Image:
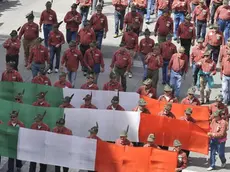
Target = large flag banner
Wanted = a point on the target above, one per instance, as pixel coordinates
(82, 153)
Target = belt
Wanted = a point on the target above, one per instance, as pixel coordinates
(227, 75)
(203, 21)
(38, 62)
(121, 67)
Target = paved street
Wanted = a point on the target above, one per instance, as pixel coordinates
(12, 15)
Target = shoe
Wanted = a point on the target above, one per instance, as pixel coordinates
(116, 36)
(18, 169)
(84, 73)
(49, 71)
(210, 168)
(147, 22)
(130, 75)
(223, 165)
(56, 71)
(207, 101)
(174, 39)
(201, 102)
(121, 31)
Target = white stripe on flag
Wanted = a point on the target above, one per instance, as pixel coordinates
(56, 149)
(102, 99)
(110, 122)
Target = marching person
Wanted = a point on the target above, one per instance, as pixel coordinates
(73, 21)
(191, 99)
(167, 111)
(70, 60)
(218, 138)
(168, 95)
(119, 15)
(140, 6)
(225, 76)
(62, 82)
(123, 140)
(149, 10)
(161, 6)
(39, 125)
(205, 76)
(164, 26)
(151, 142)
(10, 74)
(224, 50)
(30, 30)
(113, 84)
(48, 19)
(194, 4)
(142, 107)
(215, 5)
(12, 46)
(88, 102)
(14, 122)
(115, 104)
(66, 102)
(61, 129)
(186, 34)
(147, 90)
(84, 9)
(154, 62)
(41, 101)
(55, 42)
(94, 61)
(99, 24)
(38, 58)
(90, 85)
(18, 98)
(41, 78)
(145, 46)
(167, 49)
(177, 68)
(93, 132)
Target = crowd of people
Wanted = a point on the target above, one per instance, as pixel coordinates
(197, 23)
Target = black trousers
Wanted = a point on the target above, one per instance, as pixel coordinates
(58, 169)
(164, 147)
(11, 164)
(13, 58)
(186, 43)
(83, 49)
(187, 152)
(33, 165)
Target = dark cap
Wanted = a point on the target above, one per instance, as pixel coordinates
(30, 15)
(74, 5)
(88, 97)
(13, 33)
(41, 95)
(57, 24)
(115, 99)
(94, 129)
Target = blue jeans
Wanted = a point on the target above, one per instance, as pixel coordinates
(46, 30)
(175, 82)
(201, 29)
(55, 51)
(159, 13)
(84, 11)
(99, 37)
(150, 7)
(35, 68)
(72, 77)
(217, 147)
(165, 78)
(142, 57)
(178, 18)
(119, 18)
(226, 88)
(224, 26)
(141, 11)
(213, 11)
(71, 36)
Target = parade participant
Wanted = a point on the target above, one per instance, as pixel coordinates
(90, 85)
(222, 16)
(39, 125)
(214, 39)
(55, 41)
(115, 104)
(215, 5)
(167, 111)
(70, 60)
(168, 95)
(119, 14)
(194, 4)
(135, 19)
(140, 6)
(167, 49)
(182, 157)
(72, 20)
(99, 24)
(121, 64)
(18, 98)
(147, 90)
(180, 8)
(41, 101)
(38, 58)
(130, 39)
(154, 62)
(10, 74)
(66, 102)
(84, 9)
(12, 46)
(88, 102)
(218, 136)
(41, 78)
(201, 17)
(151, 142)
(142, 107)
(14, 122)
(164, 26)
(48, 19)
(177, 68)
(196, 56)
(94, 61)
(223, 51)
(113, 84)
(191, 98)
(61, 129)
(62, 82)
(93, 132)
(225, 76)
(30, 30)
(123, 140)
(186, 34)
(205, 76)
(161, 5)
(188, 116)
(145, 46)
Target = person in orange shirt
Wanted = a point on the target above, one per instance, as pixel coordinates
(41, 101)
(168, 95)
(147, 89)
(182, 157)
(140, 6)
(18, 98)
(115, 104)
(84, 8)
(90, 85)
(142, 107)
(123, 140)
(66, 102)
(223, 51)
(151, 142)
(11, 75)
(225, 76)
(191, 98)
(41, 78)
(62, 82)
(93, 132)
(88, 102)
(215, 5)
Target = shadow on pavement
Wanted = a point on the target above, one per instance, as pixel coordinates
(198, 162)
(8, 4)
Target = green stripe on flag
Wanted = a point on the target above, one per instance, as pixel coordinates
(8, 141)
